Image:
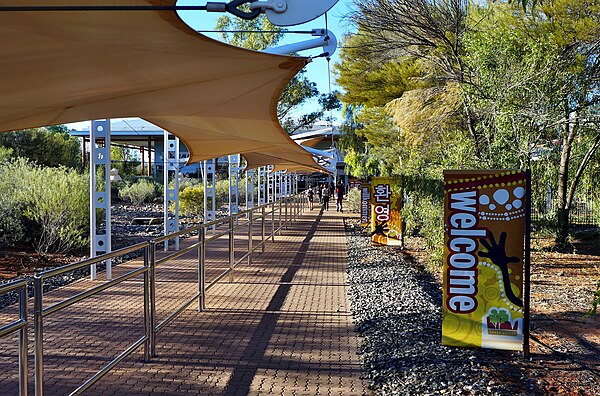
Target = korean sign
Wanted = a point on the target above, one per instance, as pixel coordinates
(484, 223)
(386, 203)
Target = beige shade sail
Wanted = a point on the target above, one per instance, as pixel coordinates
(58, 67)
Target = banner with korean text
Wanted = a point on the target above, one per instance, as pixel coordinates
(484, 255)
(365, 203)
(386, 204)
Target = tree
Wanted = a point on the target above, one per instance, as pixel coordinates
(536, 77)
(50, 146)
(259, 34)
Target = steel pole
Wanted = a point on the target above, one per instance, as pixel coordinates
(201, 269)
(39, 334)
(23, 338)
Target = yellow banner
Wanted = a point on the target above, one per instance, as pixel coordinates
(484, 234)
(386, 204)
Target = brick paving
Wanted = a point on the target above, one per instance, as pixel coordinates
(283, 326)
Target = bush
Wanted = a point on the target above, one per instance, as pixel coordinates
(424, 216)
(353, 203)
(222, 192)
(188, 182)
(191, 201)
(138, 192)
(48, 206)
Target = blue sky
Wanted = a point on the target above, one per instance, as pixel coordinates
(316, 70)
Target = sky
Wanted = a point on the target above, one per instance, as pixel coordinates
(316, 70)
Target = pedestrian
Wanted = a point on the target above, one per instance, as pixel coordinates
(326, 193)
(310, 194)
(339, 195)
(320, 194)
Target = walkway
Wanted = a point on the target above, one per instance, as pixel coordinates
(283, 326)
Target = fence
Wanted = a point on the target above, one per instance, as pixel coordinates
(282, 212)
(585, 209)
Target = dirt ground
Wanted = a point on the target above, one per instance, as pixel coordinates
(19, 261)
(565, 342)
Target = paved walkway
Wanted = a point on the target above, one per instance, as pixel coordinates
(282, 326)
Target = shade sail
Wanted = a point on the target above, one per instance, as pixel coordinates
(61, 67)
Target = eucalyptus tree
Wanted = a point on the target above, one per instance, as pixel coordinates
(536, 79)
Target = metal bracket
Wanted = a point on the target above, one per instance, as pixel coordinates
(326, 39)
(277, 6)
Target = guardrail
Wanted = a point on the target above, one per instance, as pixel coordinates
(287, 209)
(21, 326)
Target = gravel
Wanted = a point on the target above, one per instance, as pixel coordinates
(396, 308)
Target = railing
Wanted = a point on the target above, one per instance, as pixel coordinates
(41, 313)
(287, 209)
(20, 326)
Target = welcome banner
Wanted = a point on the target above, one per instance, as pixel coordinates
(484, 234)
(386, 204)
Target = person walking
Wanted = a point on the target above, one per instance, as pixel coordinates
(339, 195)
(326, 193)
(310, 194)
(320, 194)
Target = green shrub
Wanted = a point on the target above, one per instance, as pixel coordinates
(222, 192)
(423, 216)
(191, 201)
(188, 182)
(353, 202)
(139, 192)
(48, 207)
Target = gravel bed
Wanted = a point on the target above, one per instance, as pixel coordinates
(396, 309)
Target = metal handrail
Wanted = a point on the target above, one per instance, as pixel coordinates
(20, 326)
(92, 260)
(148, 270)
(200, 296)
(41, 312)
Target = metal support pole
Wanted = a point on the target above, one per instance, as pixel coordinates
(23, 338)
(280, 214)
(527, 268)
(273, 221)
(147, 315)
(231, 247)
(38, 296)
(209, 181)
(201, 269)
(171, 195)
(100, 199)
(250, 186)
(250, 237)
(285, 218)
(152, 297)
(263, 228)
(234, 179)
